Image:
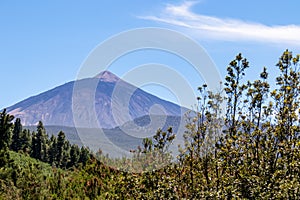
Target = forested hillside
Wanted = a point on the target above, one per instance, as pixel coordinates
(250, 152)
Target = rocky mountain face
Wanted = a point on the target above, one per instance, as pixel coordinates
(115, 102)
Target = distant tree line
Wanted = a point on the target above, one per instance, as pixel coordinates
(57, 151)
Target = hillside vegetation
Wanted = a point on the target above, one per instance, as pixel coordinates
(251, 152)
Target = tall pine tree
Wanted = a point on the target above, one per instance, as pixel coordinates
(52, 153)
(26, 141)
(39, 147)
(84, 155)
(61, 139)
(74, 156)
(5, 129)
(16, 144)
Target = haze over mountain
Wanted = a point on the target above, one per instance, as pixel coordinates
(54, 107)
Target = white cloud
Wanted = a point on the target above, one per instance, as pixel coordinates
(226, 29)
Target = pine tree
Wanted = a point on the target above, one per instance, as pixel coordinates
(52, 153)
(5, 129)
(16, 137)
(74, 155)
(5, 136)
(26, 141)
(66, 154)
(45, 149)
(84, 155)
(41, 139)
(35, 150)
(61, 139)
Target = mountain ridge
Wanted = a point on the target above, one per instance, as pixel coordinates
(54, 107)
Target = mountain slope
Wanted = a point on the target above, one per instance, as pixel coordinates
(54, 107)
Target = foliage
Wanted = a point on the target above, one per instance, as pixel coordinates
(5, 129)
(250, 152)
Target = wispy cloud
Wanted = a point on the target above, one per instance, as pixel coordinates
(226, 29)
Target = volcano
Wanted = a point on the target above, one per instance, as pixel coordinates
(113, 101)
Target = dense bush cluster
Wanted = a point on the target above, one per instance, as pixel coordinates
(249, 151)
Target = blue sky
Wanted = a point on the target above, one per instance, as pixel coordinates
(44, 43)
